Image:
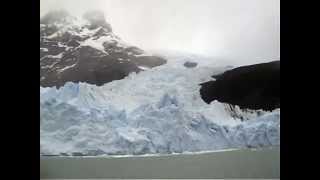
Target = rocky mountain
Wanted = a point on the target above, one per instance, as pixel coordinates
(86, 50)
(251, 87)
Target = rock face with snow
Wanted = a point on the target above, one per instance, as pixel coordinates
(189, 64)
(254, 87)
(86, 50)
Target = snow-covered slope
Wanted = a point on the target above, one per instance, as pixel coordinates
(155, 111)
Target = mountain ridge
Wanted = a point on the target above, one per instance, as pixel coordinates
(86, 50)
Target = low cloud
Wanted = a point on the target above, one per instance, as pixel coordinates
(246, 31)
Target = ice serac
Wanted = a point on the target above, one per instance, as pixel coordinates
(155, 111)
(86, 50)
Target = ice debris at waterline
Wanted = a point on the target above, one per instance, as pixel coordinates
(155, 111)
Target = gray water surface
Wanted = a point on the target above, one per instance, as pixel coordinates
(244, 163)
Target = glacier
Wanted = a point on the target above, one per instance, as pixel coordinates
(156, 111)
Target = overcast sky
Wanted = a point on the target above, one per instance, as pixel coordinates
(241, 30)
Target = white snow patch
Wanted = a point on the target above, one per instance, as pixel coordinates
(110, 38)
(85, 32)
(54, 35)
(143, 54)
(144, 68)
(65, 68)
(98, 43)
(44, 49)
(58, 56)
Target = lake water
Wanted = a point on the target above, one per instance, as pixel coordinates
(244, 163)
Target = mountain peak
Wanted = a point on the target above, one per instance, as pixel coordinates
(86, 50)
(55, 16)
(96, 18)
